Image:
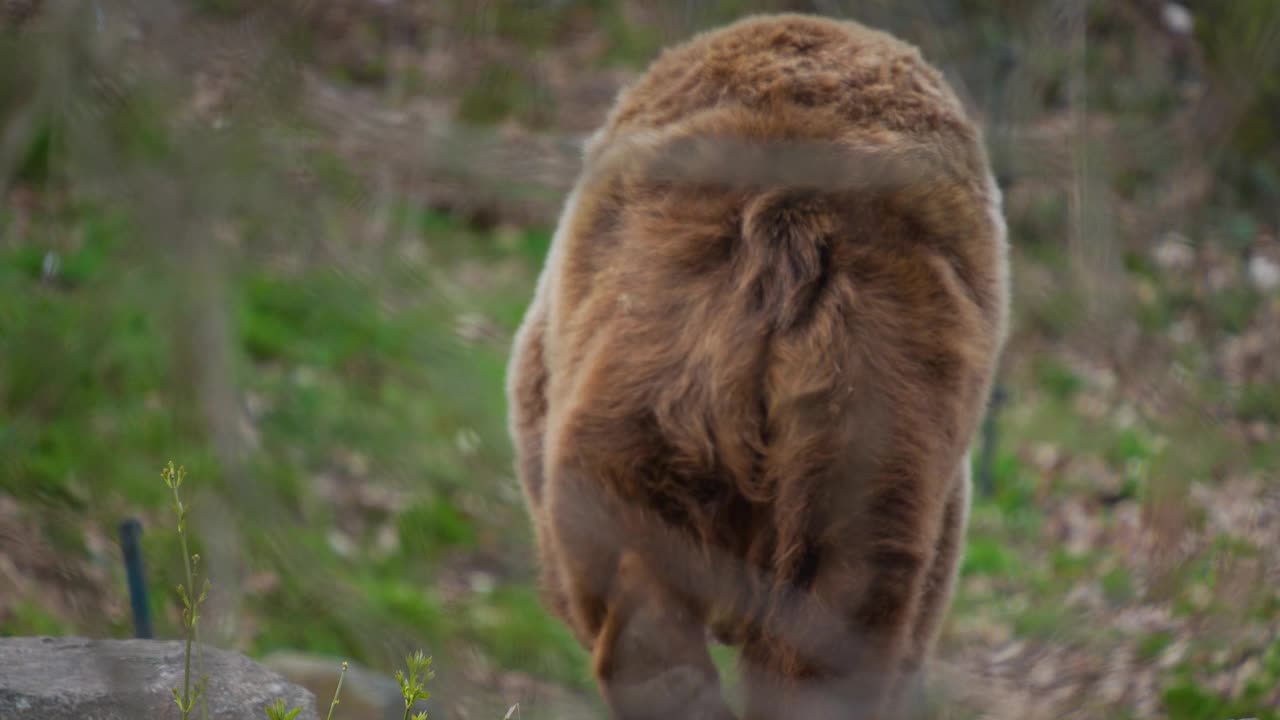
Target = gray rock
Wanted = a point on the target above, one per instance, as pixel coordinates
(79, 679)
(366, 695)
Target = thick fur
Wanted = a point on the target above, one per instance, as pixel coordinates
(744, 392)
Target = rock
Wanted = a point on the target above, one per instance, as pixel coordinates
(365, 695)
(371, 695)
(76, 678)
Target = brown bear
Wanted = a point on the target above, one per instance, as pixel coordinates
(743, 396)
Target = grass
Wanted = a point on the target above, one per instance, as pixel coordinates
(359, 381)
(29, 618)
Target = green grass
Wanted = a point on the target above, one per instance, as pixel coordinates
(1118, 586)
(1187, 699)
(1260, 401)
(987, 555)
(338, 368)
(28, 617)
(1057, 379)
(512, 625)
(1153, 644)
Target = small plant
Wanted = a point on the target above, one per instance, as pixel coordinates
(277, 711)
(413, 685)
(337, 690)
(412, 689)
(188, 695)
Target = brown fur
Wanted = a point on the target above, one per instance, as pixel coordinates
(743, 395)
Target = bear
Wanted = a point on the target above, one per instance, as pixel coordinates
(743, 395)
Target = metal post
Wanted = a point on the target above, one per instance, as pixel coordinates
(130, 531)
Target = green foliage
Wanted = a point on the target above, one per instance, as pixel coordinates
(297, 622)
(1046, 621)
(1127, 446)
(90, 389)
(1171, 304)
(630, 44)
(1118, 586)
(985, 555)
(1153, 644)
(1187, 701)
(325, 320)
(413, 683)
(1232, 308)
(40, 159)
(277, 711)
(86, 369)
(407, 603)
(1069, 567)
(1260, 401)
(512, 624)
(27, 617)
(1015, 487)
(1057, 379)
(432, 527)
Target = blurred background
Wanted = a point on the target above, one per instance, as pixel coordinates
(285, 244)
